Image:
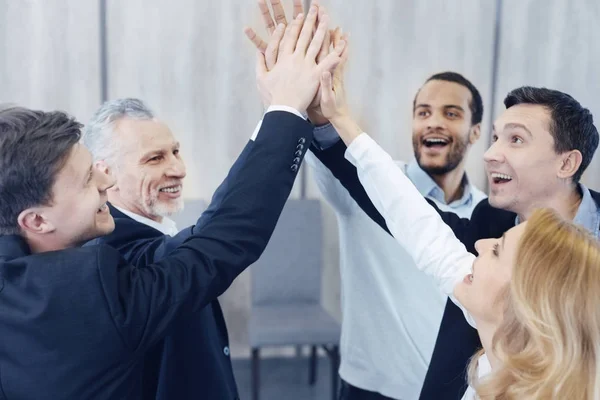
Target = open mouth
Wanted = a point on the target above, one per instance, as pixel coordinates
(498, 178)
(435, 142)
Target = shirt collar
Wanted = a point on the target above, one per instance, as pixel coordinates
(167, 226)
(587, 214)
(427, 186)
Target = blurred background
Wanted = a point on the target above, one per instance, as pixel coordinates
(190, 61)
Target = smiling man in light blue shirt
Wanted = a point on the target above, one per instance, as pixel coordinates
(392, 312)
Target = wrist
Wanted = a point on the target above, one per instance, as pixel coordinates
(316, 118)
(346, 127)
(289, 102)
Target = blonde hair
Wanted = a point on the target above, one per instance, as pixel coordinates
(548, 344)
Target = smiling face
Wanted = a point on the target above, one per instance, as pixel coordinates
(481, 292)
(442, 130)
(78, 210)
(522, 165)
(150, 170)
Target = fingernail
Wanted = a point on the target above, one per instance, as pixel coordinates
(313, 9)
(280, 27)
(300, 16)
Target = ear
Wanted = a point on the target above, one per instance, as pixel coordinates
(570, 162)
(105, 168)
(475, 133)
(32, 220)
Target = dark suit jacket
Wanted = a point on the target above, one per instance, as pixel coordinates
(77, 323)
(194, 357)
(457, 341)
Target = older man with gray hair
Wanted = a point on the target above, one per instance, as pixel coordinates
(128, 141)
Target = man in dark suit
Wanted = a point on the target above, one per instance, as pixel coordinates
(140, 152)
(76, 322)
(542, 144)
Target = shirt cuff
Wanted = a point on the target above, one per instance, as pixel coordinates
(276, 108)
(325, 136)
(358, 147)
(287, 109)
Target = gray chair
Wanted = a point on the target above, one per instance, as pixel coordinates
(286, 292)
(190, 213)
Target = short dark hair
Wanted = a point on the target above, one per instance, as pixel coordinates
(571, 125)
(34, 146)
(476, 104)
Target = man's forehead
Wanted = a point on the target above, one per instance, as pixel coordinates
(532, 116)
(443, 93)
(142, 134)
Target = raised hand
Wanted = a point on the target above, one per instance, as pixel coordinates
(332, 91)
(271, 21)
(295, 78)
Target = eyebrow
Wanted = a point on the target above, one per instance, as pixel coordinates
(514, 125)
(445, 106)
(152, 153)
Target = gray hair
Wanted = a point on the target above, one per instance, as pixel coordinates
(98, 133)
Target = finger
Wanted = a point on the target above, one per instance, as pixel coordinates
(266, 16)
(344, 54)
(327, 94)
(318, 38)
(333, 59)
(298, 9)
(278, 12)
(261, 67)
(324, 47)
(291, 35)
(272, 50)
(307, 30)
(257, 41)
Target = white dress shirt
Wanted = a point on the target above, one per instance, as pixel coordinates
(483, 368)
(167, 226)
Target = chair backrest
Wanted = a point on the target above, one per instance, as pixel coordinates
(192, 210)
(290, 269)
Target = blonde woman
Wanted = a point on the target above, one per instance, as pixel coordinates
(532, 294)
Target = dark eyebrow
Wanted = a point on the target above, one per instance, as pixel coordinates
(454, 106)
(514, 125)
(423, 105)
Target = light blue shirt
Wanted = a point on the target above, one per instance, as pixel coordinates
(326, 136)
(588, 213)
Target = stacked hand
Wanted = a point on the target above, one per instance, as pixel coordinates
(288, 61)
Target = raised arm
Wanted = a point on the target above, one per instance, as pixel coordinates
(144, 301)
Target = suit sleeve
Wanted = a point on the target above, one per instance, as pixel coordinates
(334, 159)
(143, 301)
(143, 252)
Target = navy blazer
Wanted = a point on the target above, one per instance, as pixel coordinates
(77, 323)
(194, 357)
(457, 341)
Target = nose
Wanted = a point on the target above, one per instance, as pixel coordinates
(482, 244)
(435, 121)
(105, 181)
(494, 154)
(176, 168)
